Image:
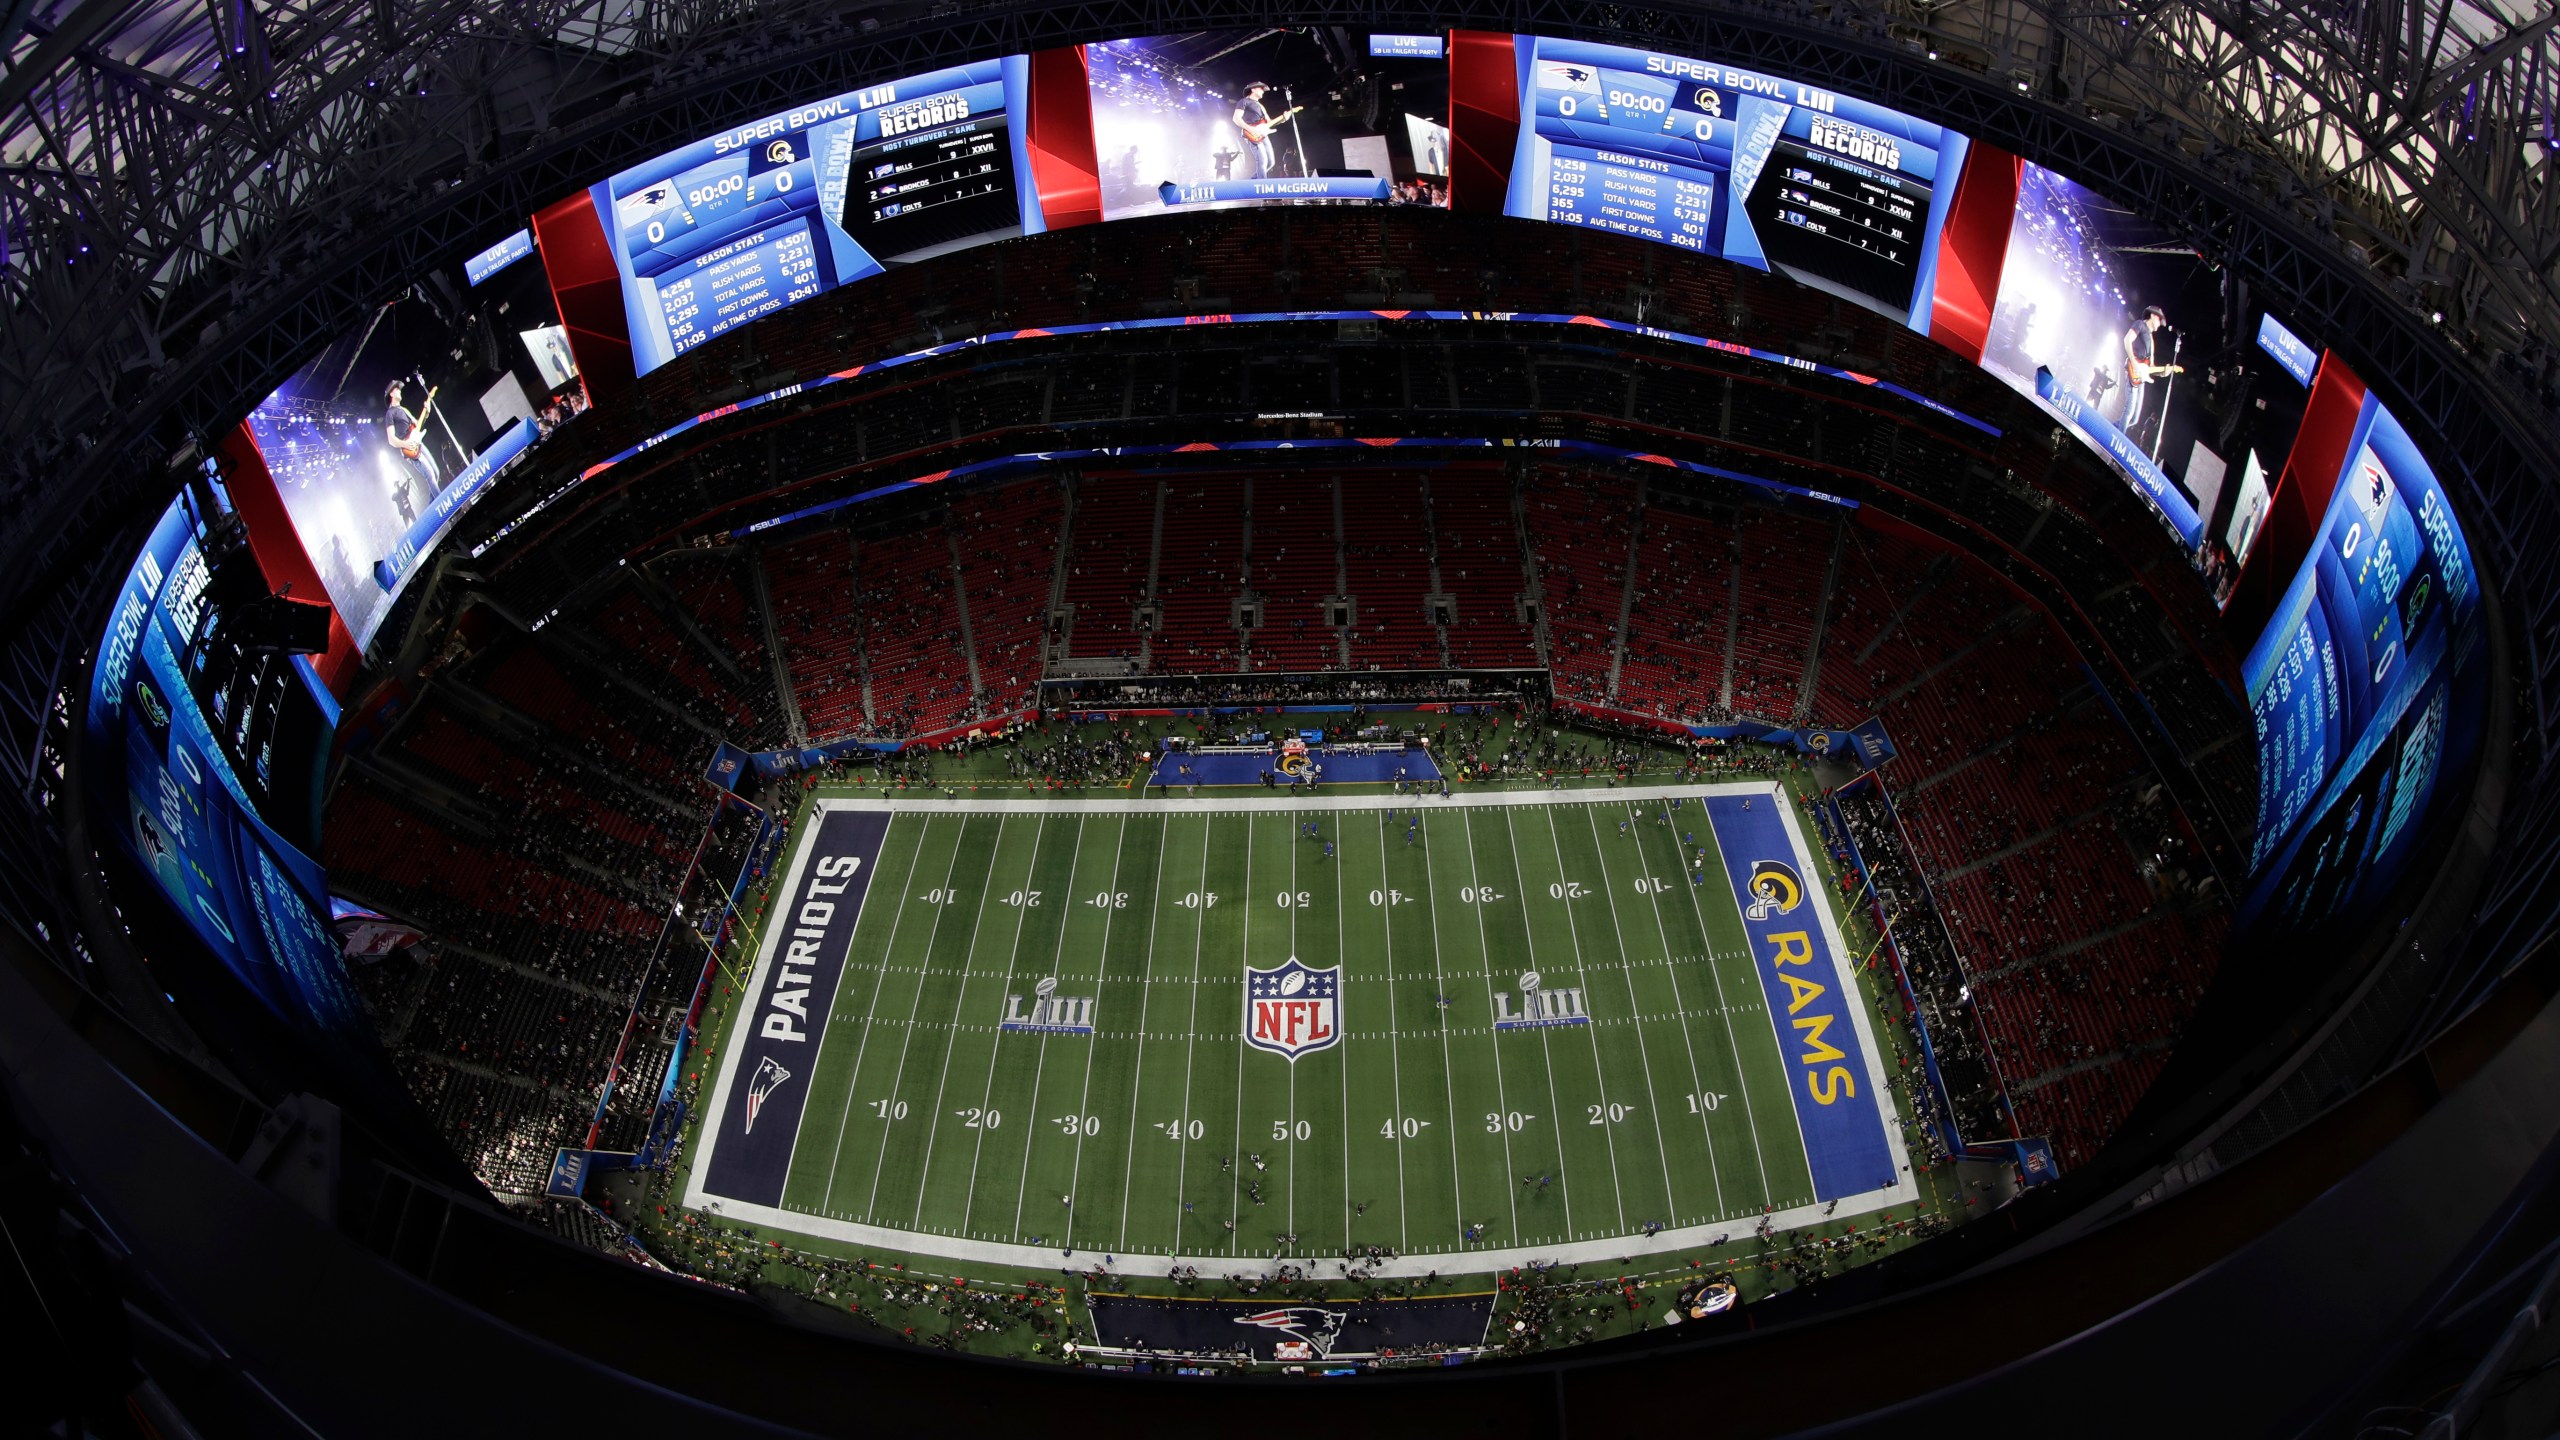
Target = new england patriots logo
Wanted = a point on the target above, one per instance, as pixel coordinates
(1775, 889)
(768, 1077)
(1293, 1009)
(1312, 1332)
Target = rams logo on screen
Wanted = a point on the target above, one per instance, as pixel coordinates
(1775, 889)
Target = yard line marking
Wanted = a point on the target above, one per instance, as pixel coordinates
(1546, 1049)
(1040, 1062)
(1395, 1057)
(1501, 1089)
(1138, 1072)
(1342, 957)
(1706, 1135)
(1291, 1135)
(1448, 1079)
(1182, 1150)
(915, 857)
(1573, 927)
(1741, 1065)
(1235, 1155)
(1084, 1097)
(960, 996)
(880, 1162)
(1635, 1010)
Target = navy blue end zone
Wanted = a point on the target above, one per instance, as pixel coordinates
(1811, 995)
(775, 1046)
(1340, 767)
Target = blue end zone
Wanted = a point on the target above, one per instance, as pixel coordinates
(1340, 767)
(1811, 999)
(776, 1045)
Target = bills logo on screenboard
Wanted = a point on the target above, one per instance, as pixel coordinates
(789, 999)
(1293, 1009)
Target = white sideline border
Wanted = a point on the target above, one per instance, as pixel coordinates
(1628, 1248)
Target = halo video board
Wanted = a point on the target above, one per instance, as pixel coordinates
(788, 206)
(1840, 194)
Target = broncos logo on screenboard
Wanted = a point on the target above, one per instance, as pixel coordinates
(1775, 889)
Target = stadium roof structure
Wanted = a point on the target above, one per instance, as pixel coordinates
(196, 197)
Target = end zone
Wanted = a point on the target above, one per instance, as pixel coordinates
(752, 1126)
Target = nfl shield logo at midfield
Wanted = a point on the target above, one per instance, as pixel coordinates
(1293, 1009)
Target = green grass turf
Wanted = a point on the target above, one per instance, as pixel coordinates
(1423, 1115)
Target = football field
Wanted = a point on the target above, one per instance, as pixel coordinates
(1473, 1031)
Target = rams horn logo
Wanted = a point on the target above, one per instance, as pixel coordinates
(1316, 1329)
(768, 1077)
(1294, 764)
(1775, 889)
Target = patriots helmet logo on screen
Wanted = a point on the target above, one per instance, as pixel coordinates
(1775, 889)
(1293, 1009)
(1312, 1331)
(768, 1078)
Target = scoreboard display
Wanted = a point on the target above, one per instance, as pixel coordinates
(1843, 195)
(777, 210)
(2362, 685)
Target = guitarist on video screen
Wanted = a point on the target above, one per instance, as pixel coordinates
(2141, 370)
(407, 435)
(1256, 124)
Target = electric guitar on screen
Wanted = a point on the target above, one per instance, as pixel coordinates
(1259, 133)
(415, 443)
(2137, 373)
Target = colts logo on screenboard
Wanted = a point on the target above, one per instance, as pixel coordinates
(1051, 1013)
(1293, 1009)
(1775, 889)
(1312, 1332)
(768, 1077)
(1539, 1006)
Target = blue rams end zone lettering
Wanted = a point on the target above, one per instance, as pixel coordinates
(1810, 996)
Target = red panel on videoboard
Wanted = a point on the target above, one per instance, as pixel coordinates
(1059, 139)
(1973, 249)
(278, 546)
(2299, 498)
(587, 285)
(1484, 119)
